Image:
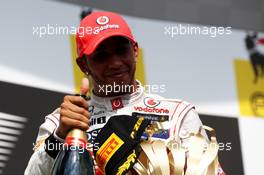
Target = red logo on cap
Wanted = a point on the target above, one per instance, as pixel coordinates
(102, 20)
(116, 103)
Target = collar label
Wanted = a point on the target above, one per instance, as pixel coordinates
(117, 103)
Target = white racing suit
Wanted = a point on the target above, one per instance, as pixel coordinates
(180, 120)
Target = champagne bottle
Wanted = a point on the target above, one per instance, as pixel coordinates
(74, 158)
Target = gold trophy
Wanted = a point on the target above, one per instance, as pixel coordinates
(158, 157)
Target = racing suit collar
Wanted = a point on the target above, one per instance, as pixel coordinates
(117, 102)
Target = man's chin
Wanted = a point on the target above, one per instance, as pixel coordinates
(120, 86)
(124, 80)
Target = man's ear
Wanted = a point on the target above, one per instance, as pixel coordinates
(135, 48)
(83, 65)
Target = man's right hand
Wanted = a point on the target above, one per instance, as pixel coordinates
(74, 112)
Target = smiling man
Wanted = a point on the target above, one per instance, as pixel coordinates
(107, 52)
(112, 66)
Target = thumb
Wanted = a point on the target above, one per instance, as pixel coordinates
(84, 86)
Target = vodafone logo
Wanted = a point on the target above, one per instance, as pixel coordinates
(151, 110)
(102, 20)
(116, 103)
(151, 105)
(150, 102)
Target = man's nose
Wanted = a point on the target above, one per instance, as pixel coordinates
(115, 62)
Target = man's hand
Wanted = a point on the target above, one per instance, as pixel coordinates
(74, 112)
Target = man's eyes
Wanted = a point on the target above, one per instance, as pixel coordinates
(102, 55)
(122, 50)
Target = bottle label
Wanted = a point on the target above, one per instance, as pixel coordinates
(71, 141)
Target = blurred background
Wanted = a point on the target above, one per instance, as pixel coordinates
(208, 52)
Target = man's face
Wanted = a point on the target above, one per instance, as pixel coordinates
(114, 60)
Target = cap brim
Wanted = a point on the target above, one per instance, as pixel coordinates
(89, 50)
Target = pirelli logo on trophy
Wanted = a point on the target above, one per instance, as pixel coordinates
(126, 165)
(250, 77)
(136, 127)
(110, 146)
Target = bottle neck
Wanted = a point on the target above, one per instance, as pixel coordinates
(76, 137)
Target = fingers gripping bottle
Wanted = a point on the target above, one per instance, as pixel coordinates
(74, 158)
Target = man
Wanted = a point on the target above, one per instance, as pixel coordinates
(256, 57)
(108, 52)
